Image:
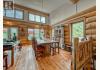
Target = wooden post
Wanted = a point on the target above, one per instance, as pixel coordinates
(75, 45)
(12, 56)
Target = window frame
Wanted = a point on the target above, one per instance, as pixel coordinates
(13, 13)
(28, 33)
(41, 21)
(40, 18)
(22, 13)
(4, 13)
(28, 17)
(76, 21)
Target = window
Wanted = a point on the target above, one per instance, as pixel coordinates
(3, 12)
(8, 33)
(43, 19)
(5, 34)
(39, 34)
(78, 30)
(18, 14)
(37, 18)
(10, 13)
(31, 17)
(30, 34)
(13, 30)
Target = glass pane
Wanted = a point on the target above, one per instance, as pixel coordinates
(43, 19)
(19, 14)
(14, 33)
(78, 30)
(31, 17)
(37, 19)
(5, 34)
(30, 34)
(10, 13)
(41, 34)
(3, 12)
(37, 36)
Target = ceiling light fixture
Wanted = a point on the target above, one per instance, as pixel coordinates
(76, 4)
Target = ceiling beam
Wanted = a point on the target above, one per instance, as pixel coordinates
(74, 1)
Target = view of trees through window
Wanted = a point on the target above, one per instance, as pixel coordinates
(78, 29)
(8, 33)
(37, 33)
(5, 33)
(19, 14)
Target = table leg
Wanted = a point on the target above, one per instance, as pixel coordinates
(6, 64)
(58, 47)
(12, 56)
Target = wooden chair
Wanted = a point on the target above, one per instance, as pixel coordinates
(5, 61)
(94, 57)
(53, 47)
(39, 49)
(68, 47)
(82, 54)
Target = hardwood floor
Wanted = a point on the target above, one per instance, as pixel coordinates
(60, 61)
(26, 61)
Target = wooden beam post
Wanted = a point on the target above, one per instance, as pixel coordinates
(75, 45)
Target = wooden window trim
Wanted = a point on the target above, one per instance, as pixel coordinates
(76, 21)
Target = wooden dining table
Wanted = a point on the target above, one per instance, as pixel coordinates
(47, 45)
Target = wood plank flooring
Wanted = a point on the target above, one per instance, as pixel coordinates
(26, 61)
(60, 61)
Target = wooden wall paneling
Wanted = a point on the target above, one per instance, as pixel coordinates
(23, 35)
(89, 21)
(90, 24)
(91, 18)
(86, 13)
(91, 27)
(90, 14)
(67, 34)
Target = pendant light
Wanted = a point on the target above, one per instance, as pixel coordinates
(75, 2)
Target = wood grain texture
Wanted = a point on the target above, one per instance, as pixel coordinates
(25, 61)
(90, 28)
(60, 61)
(66, 34)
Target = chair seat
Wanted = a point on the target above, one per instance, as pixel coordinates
(39, 49)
